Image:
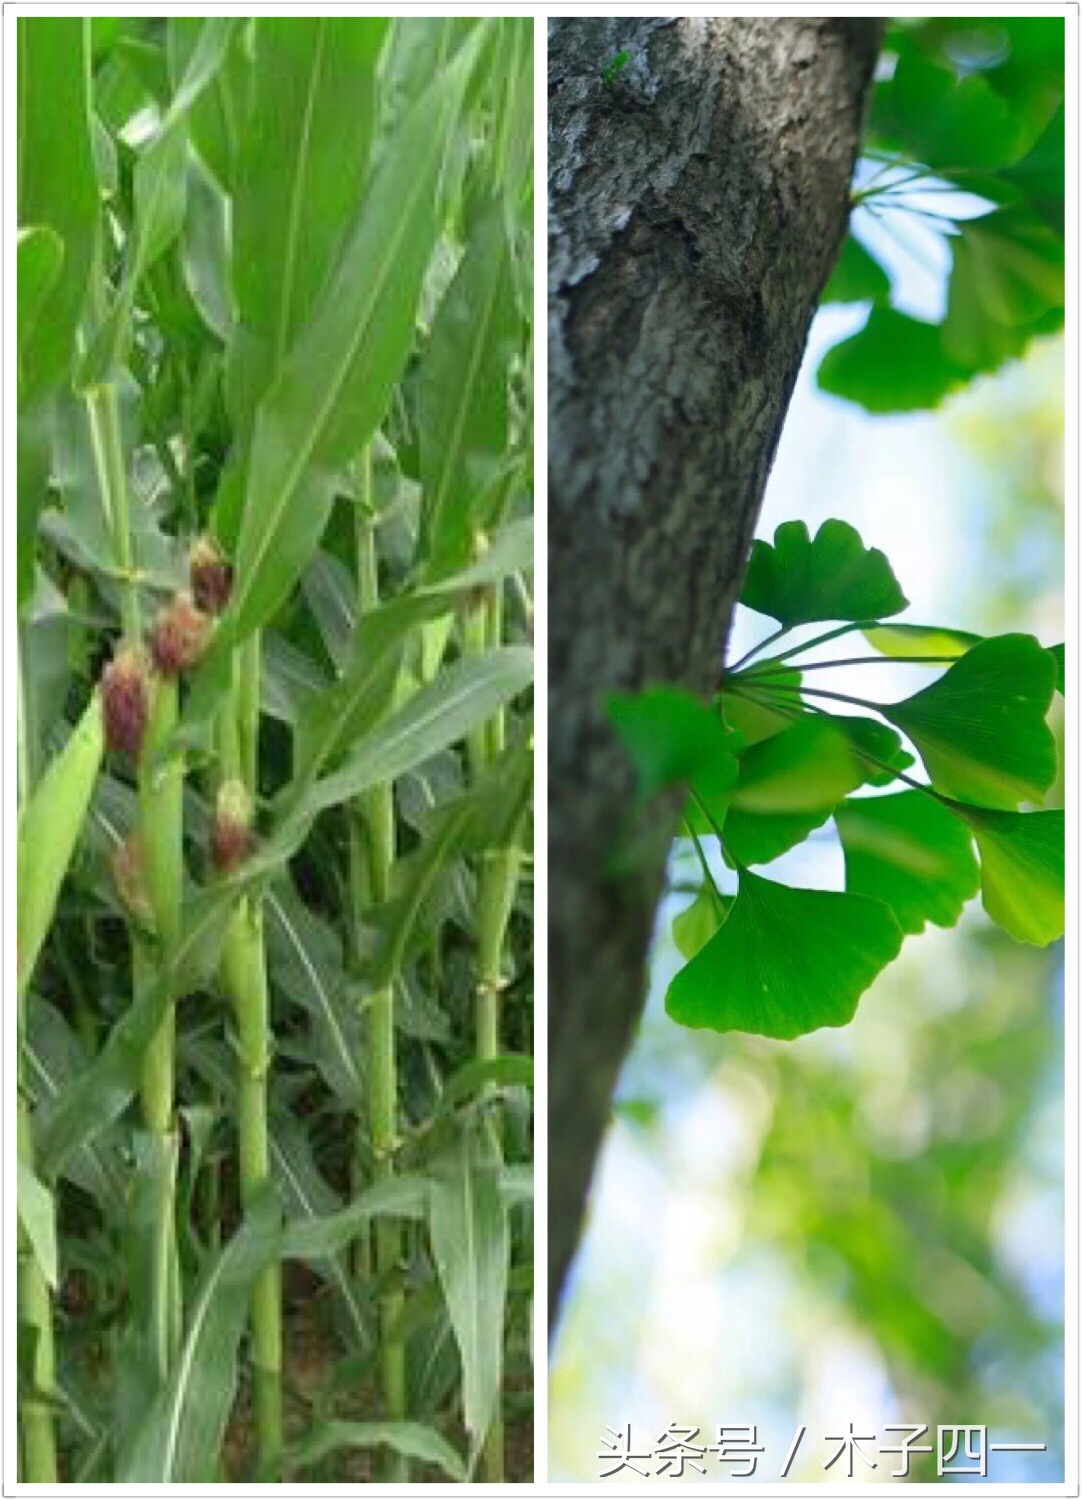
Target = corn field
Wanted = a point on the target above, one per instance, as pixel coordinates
(275, 479)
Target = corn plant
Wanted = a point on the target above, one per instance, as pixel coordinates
(275, 754)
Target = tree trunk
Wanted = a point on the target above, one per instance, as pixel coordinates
(697, 200)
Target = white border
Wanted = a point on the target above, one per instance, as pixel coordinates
(541, 12)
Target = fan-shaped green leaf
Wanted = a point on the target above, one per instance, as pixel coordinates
(920, 640)
(751, 716)
(806, 768)
(834, 577)
(696, 924)
(894, 363)
(1006, 285)
(878, 749)
(908, 850)
(857, 276)
(788, 786)
(1058, 654)
(949, 121)
(785, 961)
(759, 838)
(1022, 858)
(980, 728)
(672, 736)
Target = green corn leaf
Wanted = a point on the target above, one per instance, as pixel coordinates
(671, 737)
(299, 181)
(160, 184)
(49, 829)
(1022, 861)
(52, 1057)
(150, 1331)
(312, 1238)
(511, 1070)
(40, 261)
(471, 1245)
(465, 694)
(330, 592)
(97, 1097)
(463, 401)
(799, 580)
(306, 1195)
(911, 852)
(306, 963)
(290, 680)
(336, 380)
(414, 882)
(37, 1216)
(57, 183)
(980, 728)
(180, 1440)
(785, 961)
(411, 1439)
(219, 118)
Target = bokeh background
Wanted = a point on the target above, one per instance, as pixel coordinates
(864, 1225)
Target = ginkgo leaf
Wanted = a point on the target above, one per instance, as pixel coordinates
(759, 838)
(785, 961)
(788, 786)
(807, 767)
(747, 711)
(911, 852)
(1022, 858)
(920, 640)
(672, 736)
(833, 577)
(893, 363)
(857, 276)
(1006, 280)
(696, 924)
(1058, 654)
(879, 750)
(980, 728)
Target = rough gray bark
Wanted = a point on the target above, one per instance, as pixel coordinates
(696, 205)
